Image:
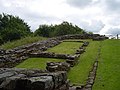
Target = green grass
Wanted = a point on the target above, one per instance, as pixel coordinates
(23, 41)
(66, 48)
(37, 63)
(108, 74)
(79, 73)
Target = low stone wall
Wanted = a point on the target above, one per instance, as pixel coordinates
(82, 48)
(99, 38)
(81, 36)
(92, 74)
(53, 55)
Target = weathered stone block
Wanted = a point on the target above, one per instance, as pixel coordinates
(42, 83)
(57, 66)
(52, 68)
(71, 62)
(5, 75)
(10, 83)
(59, 78)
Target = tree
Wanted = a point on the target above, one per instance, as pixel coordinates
(12, 28)
(43, 30)
(57, 30)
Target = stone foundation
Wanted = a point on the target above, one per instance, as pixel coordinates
(55, 77)
(17, 55)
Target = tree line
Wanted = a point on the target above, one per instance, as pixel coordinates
(13, 28)
(57, 30)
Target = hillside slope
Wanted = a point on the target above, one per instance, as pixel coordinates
(108, 74)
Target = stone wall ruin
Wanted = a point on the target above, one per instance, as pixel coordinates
(53, 78)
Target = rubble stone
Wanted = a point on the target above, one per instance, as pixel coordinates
(57, 66)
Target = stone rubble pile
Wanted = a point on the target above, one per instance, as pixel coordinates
(80, 50)
(86, 43)
(57, 66)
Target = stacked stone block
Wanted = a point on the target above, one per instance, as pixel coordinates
(57, 66)
(19, 79)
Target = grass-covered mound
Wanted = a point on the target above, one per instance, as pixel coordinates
(22, 41)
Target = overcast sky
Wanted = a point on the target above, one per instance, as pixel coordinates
(98, 16)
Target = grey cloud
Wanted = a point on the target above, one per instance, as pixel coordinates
(113, 5)
(35, 20)
(79, 3)
(115, 21)
(38, 19)
(113, 31)
(95, 26)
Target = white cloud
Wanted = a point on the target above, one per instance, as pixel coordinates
(95, 26)
(93, 15)
(79, 3)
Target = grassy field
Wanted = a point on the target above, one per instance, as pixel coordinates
(23, 41)
(39, 63)
(108, 74)
(79, 73)
(66, 47)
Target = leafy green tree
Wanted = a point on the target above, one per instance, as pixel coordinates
(57, 30)
(12, 28)
(43, 30)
